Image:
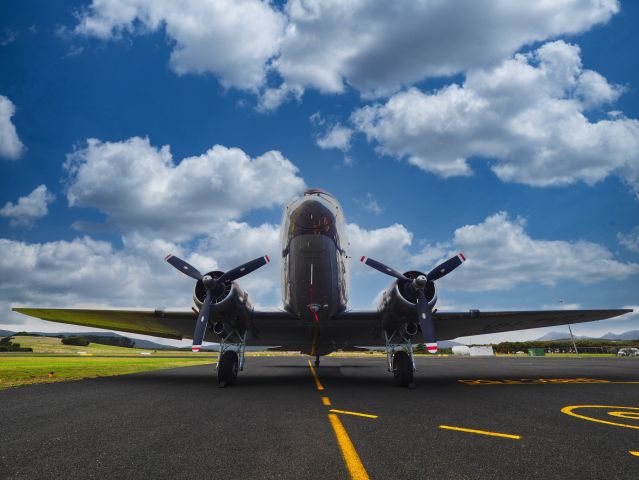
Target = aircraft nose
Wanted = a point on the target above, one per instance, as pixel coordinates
(313, 215)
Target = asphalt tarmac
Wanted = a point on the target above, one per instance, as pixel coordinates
(277, 423)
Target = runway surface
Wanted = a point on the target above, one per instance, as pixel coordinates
(275, 423)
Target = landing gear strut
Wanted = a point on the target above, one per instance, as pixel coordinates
(400, 360)
(317, 360)
(230, 359)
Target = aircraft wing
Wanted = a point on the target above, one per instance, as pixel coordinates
(452, 325)
(364, 328)
(159, 323)
(271, 328)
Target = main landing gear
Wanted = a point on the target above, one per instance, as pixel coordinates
(317, 360)
(400, 360)
(230, 359)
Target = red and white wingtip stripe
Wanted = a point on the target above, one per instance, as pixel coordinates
(168, 256)
(363, 259)
(268, 260)
(431, 347)
(196, 348)
(462, 257)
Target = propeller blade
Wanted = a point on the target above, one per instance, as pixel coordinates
(248, 267)
(202, 323)
(380, 267)
(184, 267)
(445, 268)
(425, 316)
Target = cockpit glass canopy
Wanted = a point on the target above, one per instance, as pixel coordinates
(317, 212)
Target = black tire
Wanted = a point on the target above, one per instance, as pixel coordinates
(227, 369)
(402, 369)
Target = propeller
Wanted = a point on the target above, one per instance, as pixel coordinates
(418, 284)
(211, 285)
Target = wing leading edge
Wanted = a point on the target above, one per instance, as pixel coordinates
(365, 327)
(176, 325)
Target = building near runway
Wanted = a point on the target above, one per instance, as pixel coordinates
(474, 351)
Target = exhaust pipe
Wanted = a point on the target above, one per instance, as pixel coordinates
(220, 329)
(409, 329)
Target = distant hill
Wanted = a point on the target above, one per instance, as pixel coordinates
(138, 343)
(5, 333)
(629, 335)
(560, 336)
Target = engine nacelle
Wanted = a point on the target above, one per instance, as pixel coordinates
(231, 303)
(220, 298)
(399, 302)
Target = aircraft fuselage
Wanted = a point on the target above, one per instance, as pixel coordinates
(314, 260)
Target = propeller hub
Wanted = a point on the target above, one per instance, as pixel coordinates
(208, 281)
(419, 282)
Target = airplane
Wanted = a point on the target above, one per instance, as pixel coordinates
(315, 319)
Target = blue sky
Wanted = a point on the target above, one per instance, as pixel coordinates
(512, 136)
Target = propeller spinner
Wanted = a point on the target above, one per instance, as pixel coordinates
(212, 285)
(418, 284)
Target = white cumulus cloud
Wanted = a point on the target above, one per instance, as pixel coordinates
(630, 240)
(376, 47)
(140, 188)
(233, 39)
(380, 47)
(528, 115)
(10, 145)
(29, 208)
(337, 136)
(501, 254)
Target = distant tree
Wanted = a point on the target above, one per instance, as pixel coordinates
(78, 341)
(115, 341)
(6, 345)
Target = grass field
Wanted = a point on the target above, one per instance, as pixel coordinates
(16, 370)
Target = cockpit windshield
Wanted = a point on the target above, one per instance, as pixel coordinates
(317, 212)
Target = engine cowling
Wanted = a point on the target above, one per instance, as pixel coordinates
(399, 303)
(230, 302)
(220, 297)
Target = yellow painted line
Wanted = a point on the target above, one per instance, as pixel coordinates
(630, 415)
(351, 458)
(636, 454)
(357, 414)
(481, 432)
(545, 381)
(326, 401)
(318, 384)
(569, 411)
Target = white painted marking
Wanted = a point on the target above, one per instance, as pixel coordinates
(202, 318)
(424, 316)
(311, 274)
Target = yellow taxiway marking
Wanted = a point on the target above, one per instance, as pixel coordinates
(542, 381)
(569, 411)
(636, 454)
(326, 401)
(351, 458)
(630, 415)
(357, 414)
(318, 384)
(481, 432)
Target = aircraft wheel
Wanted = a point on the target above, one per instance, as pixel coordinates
(227, 369)
(402, 369)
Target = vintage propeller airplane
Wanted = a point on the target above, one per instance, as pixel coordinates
(315, 319)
